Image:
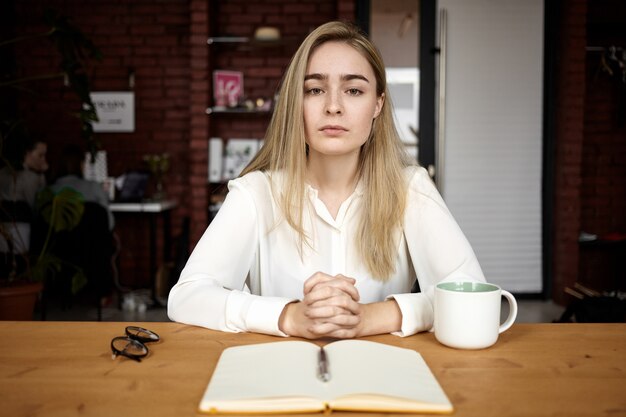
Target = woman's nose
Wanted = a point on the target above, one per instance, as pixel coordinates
(333, 103)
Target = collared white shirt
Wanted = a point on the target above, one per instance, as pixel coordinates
(247, 265)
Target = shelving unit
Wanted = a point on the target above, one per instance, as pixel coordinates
(252, 42)
(233, 53)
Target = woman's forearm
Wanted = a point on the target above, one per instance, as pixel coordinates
(380, 318)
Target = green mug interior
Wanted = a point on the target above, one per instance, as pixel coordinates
(467, 287)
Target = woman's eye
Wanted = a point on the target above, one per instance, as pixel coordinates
(354, 91)
(314, 91)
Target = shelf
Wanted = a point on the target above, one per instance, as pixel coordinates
(227, 39)
(236, 110)
(252, 42)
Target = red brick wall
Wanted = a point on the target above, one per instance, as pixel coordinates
(346, 10)
(590, 161)
(199, 81)
(570, 79)
(150, 39)
(603, 198)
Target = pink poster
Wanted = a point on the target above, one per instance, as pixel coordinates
(227, 88)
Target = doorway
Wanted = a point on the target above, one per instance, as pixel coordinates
(394, 28)
(481, 126)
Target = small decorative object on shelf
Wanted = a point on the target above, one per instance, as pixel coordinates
(267, 33)
(260, 105)
(159, 165)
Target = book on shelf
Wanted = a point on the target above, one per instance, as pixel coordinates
(238, 154)
(287, 377)
(216, 157)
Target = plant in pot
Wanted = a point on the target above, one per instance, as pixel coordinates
(62, 211)
(58, 212)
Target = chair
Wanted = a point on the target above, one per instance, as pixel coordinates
(16, 218)
(88, 246)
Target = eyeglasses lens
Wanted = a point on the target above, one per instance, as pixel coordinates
(129, 347)
(142, 334)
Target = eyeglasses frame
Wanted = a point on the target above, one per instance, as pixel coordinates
(137, 341)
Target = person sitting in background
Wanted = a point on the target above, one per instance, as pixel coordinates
(91, 244)
(24, 179)
(70, 175)
(20, 181)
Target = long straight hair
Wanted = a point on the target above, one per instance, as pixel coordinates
(381, 162)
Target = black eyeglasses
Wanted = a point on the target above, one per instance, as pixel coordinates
(133, 344)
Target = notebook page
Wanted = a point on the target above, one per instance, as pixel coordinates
(362, 367)
(278, 369)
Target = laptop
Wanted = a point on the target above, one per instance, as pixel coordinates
(131, 187)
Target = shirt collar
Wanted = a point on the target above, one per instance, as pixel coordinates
(359, 190)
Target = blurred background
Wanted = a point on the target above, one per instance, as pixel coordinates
(516, 107)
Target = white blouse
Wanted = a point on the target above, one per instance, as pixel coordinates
(247, 266)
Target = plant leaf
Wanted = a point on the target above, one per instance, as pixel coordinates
(79, 280)
(63, 210)
(46, 266)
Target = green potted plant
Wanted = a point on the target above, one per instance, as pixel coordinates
(18, 291)
(63, 210)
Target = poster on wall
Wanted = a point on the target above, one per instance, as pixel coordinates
(227, 88)
(115, 110)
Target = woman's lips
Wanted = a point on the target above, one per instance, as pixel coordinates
(333, 130)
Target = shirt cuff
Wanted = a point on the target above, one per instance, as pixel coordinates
(252, 313)
(417, 313)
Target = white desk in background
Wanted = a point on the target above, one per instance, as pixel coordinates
(153, 209)
(144, 207)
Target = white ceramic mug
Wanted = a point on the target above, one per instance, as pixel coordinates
(467, 314)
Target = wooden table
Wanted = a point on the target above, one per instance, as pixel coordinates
(65, 369)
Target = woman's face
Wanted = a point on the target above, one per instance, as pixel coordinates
(35, 159)
(340, 100)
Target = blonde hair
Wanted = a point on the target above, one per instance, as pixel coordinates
(381, 162)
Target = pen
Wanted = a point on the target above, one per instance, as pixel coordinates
(322, 366)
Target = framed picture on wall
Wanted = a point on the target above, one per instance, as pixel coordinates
(227, 88)
(115, 110)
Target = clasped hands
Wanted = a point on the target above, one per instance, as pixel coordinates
(331, 308)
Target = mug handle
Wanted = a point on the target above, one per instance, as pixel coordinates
(512, 312)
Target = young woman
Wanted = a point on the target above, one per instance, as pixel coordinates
(22, 183)
(328, 229)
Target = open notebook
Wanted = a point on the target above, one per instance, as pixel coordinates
(283, 377)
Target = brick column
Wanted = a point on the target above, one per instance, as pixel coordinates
(569, 143)
(346, 10)
(197, 199)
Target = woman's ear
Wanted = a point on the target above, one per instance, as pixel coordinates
(380, 100)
